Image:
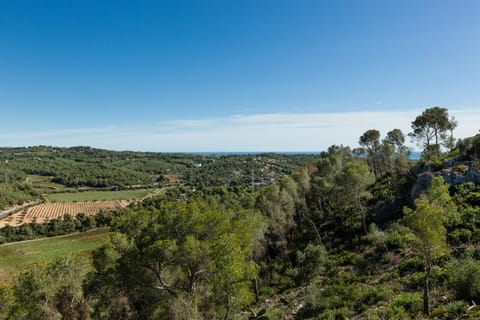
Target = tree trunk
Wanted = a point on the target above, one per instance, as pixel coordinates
(426, 306)
(363, 216)
(227, 311)
(436, 142)
(255, 287)
(364, 223)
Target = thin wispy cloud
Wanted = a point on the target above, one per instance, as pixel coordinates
(55, 133)
(252, 132)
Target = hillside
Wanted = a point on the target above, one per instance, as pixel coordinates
(33, 171)
(344, 237)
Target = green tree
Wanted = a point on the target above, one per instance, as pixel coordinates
(177, 261)
(450, 140)
(52, 291)
(312, 261)
(333, 160)
(278, 206)
(6, 299)
(351, 192)
(371, 141)
(430, 129)
(396, 138)
(427, 224)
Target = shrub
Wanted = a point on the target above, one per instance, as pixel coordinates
(410, 302)
(476, 235)
(465, 279)
(7, 300)
(397, 236)
(473, 252)
(390, 313)
(390, 276)
(281, 274)
(333, 314)
(436, 165)
(413, 281)
(413, 264)
(348, 258)
(311, 262)
(356, 297)
(460, 168)
(452, 310)
(459, 236)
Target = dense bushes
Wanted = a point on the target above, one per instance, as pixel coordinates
(344, 296)
(16, 193)
(465, 279)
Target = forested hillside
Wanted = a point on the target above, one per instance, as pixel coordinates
(90, 167)
(85, 167)
(359, 233)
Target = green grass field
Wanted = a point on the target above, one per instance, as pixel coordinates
(19, 256)
(44, 184)
(98, 195)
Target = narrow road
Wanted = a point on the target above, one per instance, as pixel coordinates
(7, 212)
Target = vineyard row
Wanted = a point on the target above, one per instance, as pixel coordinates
(56, 210)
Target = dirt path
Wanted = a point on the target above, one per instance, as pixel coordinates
(157, 192)
(5, 213)
(55, 237)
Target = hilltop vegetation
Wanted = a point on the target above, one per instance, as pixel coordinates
(353, 234)
(30, 172)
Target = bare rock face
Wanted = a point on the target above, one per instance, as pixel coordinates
(453, 172)
(454, 177)
(424, 180)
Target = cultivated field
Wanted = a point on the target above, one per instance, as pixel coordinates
(19, 256)
(44, 184)
(55, 210)
(97, 195)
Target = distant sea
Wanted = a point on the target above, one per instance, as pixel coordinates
(415, 155)
(247, 153)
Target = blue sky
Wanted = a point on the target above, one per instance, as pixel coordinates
(232, 75)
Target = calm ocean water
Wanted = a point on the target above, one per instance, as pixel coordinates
(413, 155)
(246, 153)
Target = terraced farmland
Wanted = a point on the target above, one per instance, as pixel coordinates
(55, 210)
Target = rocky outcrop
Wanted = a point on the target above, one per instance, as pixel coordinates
(422, 184)
(453, 177)
(453, 173)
